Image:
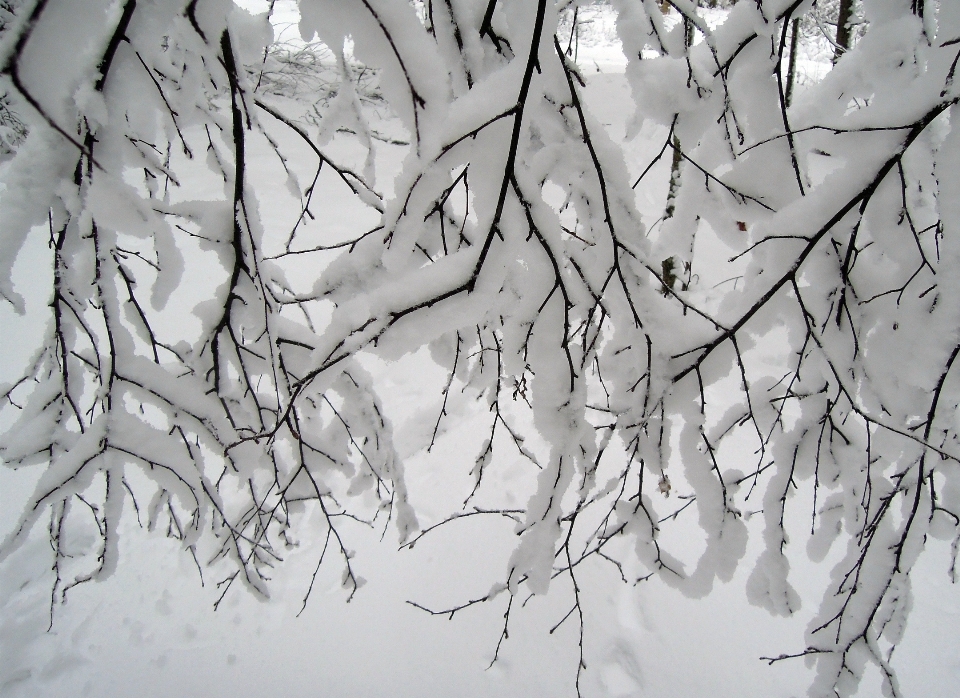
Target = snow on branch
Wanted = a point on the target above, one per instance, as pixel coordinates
(205, 363)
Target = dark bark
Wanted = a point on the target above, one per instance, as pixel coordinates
(792, 63)
(843, 28)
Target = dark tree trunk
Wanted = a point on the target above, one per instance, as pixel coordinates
(843, 28)
(792, 64)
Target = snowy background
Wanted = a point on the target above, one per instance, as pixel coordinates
(150, 629)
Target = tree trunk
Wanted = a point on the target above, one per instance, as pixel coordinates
(843, 28)
(792, 64)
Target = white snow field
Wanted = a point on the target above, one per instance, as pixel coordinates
(150, 629)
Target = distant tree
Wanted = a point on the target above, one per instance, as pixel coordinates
(512, 246)
(844, 15)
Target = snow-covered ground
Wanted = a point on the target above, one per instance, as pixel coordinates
(150, 629)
